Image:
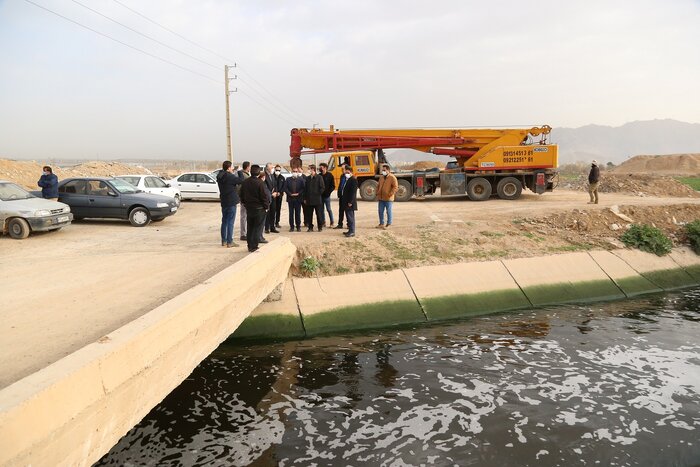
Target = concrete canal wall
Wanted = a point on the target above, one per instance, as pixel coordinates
(313, 306)
(73, 411)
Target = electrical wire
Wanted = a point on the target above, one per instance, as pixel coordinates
(124, 43)
(281, 117)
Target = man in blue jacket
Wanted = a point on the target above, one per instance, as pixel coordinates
(49, 184)
(341, 208)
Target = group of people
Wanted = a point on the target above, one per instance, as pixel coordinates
(260, 193)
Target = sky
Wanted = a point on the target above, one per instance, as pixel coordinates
(68, 92)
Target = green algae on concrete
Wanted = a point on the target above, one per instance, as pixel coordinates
(669, 279)
(366, 316)
(568, 292)
(636, 285)
(694, 272)
(461, 305)
(270, 326)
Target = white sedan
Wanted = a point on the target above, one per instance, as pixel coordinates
(152, 184)
(196, 185)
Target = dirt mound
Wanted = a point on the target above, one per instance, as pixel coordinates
(424, 165)
(670, 164)
(27, 173)
(636, 184)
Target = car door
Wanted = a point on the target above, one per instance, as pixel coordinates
(186, 185)
(103, 200)
(207, 186)
(155, 186)
(74, 194)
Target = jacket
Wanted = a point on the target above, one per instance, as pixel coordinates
(348, 193)
(270, 181)
(388, 186)
(294, 185)
(279, 183)
(49, 186)
(254, 194)
(228, 188)
(328, 184)
(243, 176)
(594, 174)
(314, 190)
(341, 184)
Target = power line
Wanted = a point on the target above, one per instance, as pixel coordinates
(293, 116)
(124, 43)
(294, 113)
(145, 35)
(281, 117)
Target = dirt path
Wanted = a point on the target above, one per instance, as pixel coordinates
(63, 290)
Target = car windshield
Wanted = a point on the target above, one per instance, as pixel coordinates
(11, 192)
(124, 187)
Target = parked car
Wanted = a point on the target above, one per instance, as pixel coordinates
(152, 184)
(194, 185)
(22, 213)
(113, 198)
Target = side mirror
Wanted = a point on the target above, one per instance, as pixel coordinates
(111, 193)
(167, 185)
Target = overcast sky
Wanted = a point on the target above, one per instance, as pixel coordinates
(69, 92)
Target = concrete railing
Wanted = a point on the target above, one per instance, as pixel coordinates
(73, 411)
(433, 293)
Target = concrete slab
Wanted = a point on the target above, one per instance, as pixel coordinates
(572, 277)
(688, 260)
(465, 289)
(357, 301)
(75, 410)
(626, 278)
(663, 271)
(273, 320)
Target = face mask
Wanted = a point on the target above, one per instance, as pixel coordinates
(348, 175)
(45, 172)
(384, 172)
(277, 172)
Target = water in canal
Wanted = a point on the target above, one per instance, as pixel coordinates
(603, 384)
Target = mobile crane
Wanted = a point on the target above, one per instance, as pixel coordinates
(501, 161)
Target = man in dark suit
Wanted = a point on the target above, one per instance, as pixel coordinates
(348, 199)
(294, 187)
(271, 183)
(256, 201)
(313, 201)
(279, 183)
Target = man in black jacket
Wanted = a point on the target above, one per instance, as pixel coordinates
(294, 187)
(271, 183)
(228, 195)
(593, 180)
(279, 184)
(348, 198)
(256, 201)
(312, 199)
(328, 188)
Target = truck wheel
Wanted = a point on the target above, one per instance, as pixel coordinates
(139, 217)
(368, 190)
(479, 189)
(405, 191)
(509, 188)
(18, 228)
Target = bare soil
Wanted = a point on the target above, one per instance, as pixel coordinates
(635, 184)
(670, 164)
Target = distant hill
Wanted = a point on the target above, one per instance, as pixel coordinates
(670, 164)
(615, 144)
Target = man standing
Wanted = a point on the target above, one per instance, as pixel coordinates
(387, 188)
(49, 184)
(593, 180)
(348, 198)
(341, 208)
(329, 187)
(271, 183)
(243, 174)
(256, 201)
(279, 183)
(228, 183)
(312, 199)
(294, 187)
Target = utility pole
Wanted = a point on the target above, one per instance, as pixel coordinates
(227, 79)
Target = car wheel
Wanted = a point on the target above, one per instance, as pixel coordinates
(405, 191)
(368, 190)
(509, 188)
(479, 189)
(139, 217)
(18, 228)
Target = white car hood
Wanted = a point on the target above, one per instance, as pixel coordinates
(35, 204)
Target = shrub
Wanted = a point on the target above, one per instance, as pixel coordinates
(647, 238)
(310, 265)
(692, 231)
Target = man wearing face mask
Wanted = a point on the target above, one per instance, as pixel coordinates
(348, 198)
(49, 184)
(271, 184)
(279, 186)
(387, 188)
(294, 188)
(329, 187)
(312, 199)
(243, 174)
(341, 208)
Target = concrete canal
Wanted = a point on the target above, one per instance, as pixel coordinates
(613, 383)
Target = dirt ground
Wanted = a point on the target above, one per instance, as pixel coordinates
(62, 290)
(669, 164)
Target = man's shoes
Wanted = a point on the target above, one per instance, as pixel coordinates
(387, 226)
(298, 229)
(278, 225)
(310, 229)
(320, 229)
(252, 250)
(348, 234)
(381, 226)
(263, 241)
(339, 226)
(244, 238)
(231, 245)
(590, 202)
(267, 230)
(274, 231)
(223, 243)
(291, 229)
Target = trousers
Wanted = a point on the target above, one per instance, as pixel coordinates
(228, 218)
(256, 221)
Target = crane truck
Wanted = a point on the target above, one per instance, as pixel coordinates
(489, 161)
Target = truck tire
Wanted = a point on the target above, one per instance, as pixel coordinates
(479, 189)
(18, 228)
(509, 188)
(405, 191)
(368, 190)
(139, 217)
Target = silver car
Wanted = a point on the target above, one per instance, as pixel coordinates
(22, 213)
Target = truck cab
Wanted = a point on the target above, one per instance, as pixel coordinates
(365, 167)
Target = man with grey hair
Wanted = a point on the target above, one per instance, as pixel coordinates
(593, 180)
